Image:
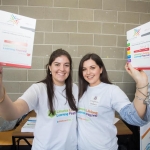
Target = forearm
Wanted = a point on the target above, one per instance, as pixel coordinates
(140, 96)
(11, 110)
(7, 109)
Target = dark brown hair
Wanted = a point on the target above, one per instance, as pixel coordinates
(50, 85)
(83, 84)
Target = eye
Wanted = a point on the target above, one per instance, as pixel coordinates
(92, 68)
(57, 64)
(83, 69)
(67, 65)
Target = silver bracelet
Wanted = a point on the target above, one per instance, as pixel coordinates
(139, 98)
(143, 86)
(147, 100)
(143, 93)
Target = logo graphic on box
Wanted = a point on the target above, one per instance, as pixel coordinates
(138, 46)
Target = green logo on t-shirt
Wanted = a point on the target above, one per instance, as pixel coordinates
(62, 113)
(51, 115)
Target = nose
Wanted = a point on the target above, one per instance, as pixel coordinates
(61, 67)
(88, 71)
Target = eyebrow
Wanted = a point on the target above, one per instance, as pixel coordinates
(90, 66)
(93, 66)
(59, 63)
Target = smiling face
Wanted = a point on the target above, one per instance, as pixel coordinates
(91, 72)
(60, 69)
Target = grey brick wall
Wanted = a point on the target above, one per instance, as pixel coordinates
(78, 26)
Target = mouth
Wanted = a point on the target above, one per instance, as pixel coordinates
(89, 77)
(61, 74)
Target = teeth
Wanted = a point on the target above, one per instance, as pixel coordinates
(61, 74)
(89, 77)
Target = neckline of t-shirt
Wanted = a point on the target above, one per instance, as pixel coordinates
(60, 86)
(99, 85)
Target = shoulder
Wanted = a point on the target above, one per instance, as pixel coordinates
(74, 86)
(115, 90)
(111, 87)
(75, 89)
(38, 86)
(106, 85)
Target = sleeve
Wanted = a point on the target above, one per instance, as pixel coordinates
(130, 115)
(118, 99)
(147, 114)
(75, 93)
(31, 97)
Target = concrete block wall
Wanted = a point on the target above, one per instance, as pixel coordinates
(78, 26)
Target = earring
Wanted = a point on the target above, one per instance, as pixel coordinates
(50, 72)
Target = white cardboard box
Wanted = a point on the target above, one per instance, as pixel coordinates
(16, 40)
(138, 47)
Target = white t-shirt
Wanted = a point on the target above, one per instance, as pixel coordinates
(56, 132)
(96, 112)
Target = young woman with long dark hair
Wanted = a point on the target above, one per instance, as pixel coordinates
(98, 101)
(54, 100)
